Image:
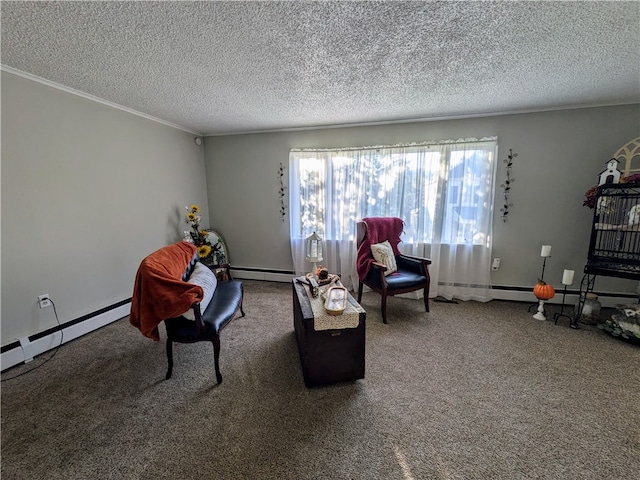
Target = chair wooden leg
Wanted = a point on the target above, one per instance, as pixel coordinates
(426, 298)
(169, 358)
(216, 357)
(359, 291)
(384, 308)
(242, 300)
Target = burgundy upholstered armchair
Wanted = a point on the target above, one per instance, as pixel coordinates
(406, 274)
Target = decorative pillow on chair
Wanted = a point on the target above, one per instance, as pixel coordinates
(204, 277)
(383, 253)
(192, 264)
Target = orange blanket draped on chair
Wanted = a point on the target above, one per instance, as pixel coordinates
(379, 229)
(159, 291)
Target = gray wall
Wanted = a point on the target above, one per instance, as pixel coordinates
(87, 192)
(560, 154)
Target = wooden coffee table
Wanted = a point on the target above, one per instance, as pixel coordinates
(327, 356)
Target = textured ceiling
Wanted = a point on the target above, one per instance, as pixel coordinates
(230, 67)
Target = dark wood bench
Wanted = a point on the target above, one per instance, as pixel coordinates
(226, 302)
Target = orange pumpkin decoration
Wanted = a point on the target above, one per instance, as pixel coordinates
(543, 291)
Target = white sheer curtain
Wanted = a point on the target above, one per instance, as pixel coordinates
(443, 191)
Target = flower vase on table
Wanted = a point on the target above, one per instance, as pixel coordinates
(208, 253)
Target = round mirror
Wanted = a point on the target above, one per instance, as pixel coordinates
(219, 253)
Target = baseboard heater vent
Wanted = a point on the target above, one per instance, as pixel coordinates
(268, 274)
(26, 348)
(525, 294)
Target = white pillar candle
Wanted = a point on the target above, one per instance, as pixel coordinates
(567, 277)
(546, 251)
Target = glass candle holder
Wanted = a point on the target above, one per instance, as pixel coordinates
(590, 310)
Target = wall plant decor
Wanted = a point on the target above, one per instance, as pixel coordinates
(506, 186)
(281, 190)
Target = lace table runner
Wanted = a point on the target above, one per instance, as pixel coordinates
(350, 318)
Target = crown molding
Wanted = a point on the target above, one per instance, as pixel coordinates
(425, 119)
(93, 98)
(102, 101)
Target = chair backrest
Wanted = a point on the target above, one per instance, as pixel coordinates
(379, 230)
(361, 232)
(159, 291)
(371, 231)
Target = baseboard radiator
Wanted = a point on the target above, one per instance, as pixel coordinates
(26, 348)
(500, 292)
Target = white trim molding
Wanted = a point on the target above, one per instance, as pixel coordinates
(93, 98)
(30, 349)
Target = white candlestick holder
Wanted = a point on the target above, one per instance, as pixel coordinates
(540, 314)
(544, 264)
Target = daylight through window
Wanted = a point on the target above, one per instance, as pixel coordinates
(443, 192)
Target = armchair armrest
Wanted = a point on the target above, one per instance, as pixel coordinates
(414, 264)
(419, 259)
(379, 265)
(198, 314)
(222, 271)
(377, 272)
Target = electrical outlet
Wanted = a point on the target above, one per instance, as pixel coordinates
(496, 264)
(43, 301)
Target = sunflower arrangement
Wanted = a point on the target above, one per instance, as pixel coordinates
(200, 238)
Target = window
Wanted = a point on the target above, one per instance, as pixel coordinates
(443, 191)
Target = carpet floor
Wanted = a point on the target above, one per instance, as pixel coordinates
(467, 391)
